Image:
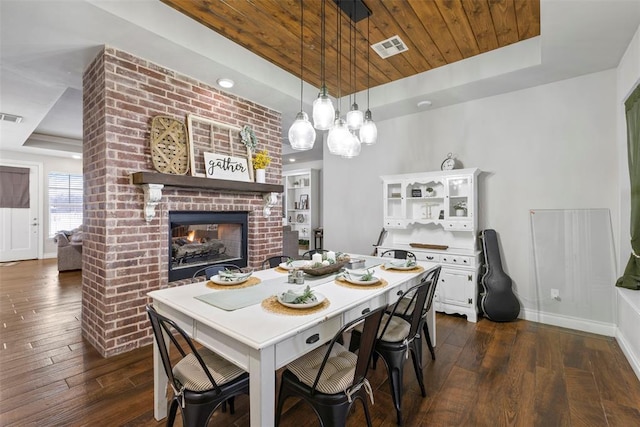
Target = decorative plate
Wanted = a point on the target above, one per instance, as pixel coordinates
(399, 266)
(357, 281)
(319, 300)
(229, 280)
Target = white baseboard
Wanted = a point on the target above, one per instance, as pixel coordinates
(579, 324)
(50, 255)
(634, 359)
(627, 334)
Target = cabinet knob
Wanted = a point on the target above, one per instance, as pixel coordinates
(429, 257)
(399, 293)
(365, 311)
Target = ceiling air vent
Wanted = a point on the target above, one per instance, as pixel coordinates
(389, 47)
(10, 118)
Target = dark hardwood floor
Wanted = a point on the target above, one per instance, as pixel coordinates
(486, 374)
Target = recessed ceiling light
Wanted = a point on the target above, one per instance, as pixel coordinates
(76, 156)
(291, 160)
(424, 104)
(226, 83)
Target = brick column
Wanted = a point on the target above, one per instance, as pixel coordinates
(124, 257)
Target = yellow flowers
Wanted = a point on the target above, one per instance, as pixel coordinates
(261, 160)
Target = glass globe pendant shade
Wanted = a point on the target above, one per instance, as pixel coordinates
(338, 136)
(323, 111)
(302, 135)
(353, 146)
(355, 118)
(369, 130)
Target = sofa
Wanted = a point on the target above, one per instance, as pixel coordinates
(69, 250)
(289, 241)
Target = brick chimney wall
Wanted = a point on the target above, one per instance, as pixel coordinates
(125, 257)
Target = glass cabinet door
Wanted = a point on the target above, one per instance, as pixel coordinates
(460, 197)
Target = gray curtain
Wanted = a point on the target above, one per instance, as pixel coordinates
(631, 277)
(14, 187)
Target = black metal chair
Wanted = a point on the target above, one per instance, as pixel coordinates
(332, 397)
(398, 254)
(398, 334)
(308, 254)
(213, 269)
(275, 261)
(405, 310)
(201, 380)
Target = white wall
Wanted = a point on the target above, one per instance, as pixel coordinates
(547, 147)
(628, 77)
(50, 164)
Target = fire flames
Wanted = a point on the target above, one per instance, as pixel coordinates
(191, 236)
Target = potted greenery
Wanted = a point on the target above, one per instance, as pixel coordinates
(429, 192)
(460, 208)
(260, 162)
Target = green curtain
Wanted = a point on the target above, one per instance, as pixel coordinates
(631, 277)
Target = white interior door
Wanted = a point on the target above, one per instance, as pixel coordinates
(20, 228)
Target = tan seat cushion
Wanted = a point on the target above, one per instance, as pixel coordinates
(190, 374)
(337, 375)
(397, 330)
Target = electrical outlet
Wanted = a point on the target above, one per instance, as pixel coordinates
(555, 294)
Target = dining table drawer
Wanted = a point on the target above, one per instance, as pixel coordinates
(307, 340)
(364, 308)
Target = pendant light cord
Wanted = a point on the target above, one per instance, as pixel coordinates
(339, 61)
(368, 62)
(323, 74)
(301, 49)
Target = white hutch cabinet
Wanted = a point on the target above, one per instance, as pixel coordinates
(434, 215)
(302, 204)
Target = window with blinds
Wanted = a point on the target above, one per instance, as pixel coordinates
(65, 202)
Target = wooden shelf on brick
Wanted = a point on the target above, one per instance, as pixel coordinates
(185, 181)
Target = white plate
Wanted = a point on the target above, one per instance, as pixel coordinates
(241, 278)
(299, 263)
(319, 300)
(399, 266)
(356, 272)
(357, 281)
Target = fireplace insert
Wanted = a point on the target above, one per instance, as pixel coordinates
(201, 238)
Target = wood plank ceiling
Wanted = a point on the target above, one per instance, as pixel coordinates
(436, 32)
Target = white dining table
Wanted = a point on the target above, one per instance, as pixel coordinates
(261, 341)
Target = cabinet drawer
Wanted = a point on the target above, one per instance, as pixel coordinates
(305, 341)
(456, 259)
(427, 257)
(394, 223)
(458, 225)
(361, 309)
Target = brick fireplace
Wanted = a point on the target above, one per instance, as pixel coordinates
(124, 256)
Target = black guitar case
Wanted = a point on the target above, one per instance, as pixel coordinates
(498, 302)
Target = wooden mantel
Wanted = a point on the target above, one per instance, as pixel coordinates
(186, 181)
(153, 182)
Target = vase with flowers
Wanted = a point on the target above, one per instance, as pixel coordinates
(260, 162)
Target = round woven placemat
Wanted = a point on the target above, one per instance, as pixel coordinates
(251, 282)
(271, 304)
(281, 270)
(343, 282)
(417, 269)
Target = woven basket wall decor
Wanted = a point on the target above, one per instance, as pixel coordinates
(169, 149)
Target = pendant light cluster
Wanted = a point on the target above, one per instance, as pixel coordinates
(302, 135)
(346, 135)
